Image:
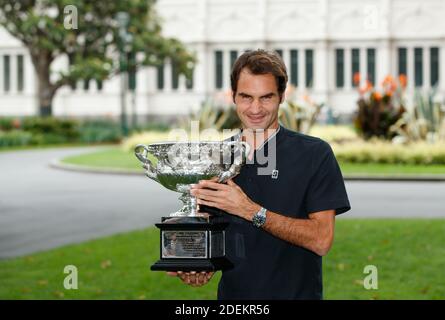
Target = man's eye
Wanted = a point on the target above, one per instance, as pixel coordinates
(265, 99)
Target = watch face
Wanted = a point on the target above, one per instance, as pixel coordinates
(258, 220)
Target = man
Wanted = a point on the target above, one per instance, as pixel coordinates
(280, 223)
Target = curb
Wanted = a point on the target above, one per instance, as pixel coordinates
(57, 164)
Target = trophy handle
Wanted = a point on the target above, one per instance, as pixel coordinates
(236, 165)
(141, 151)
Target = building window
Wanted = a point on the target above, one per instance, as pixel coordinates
(371, 65)
(418, 67)
(294, 67)
(233, 57)
(434, 66)
(355, 67)
(309, 76)
(86, 84)
(402, 59)
(189, 81)
(6, 73)
(175, 76)
(100, 85)
(218, 69)
(160, 77)
(339, 68)
(20, 73)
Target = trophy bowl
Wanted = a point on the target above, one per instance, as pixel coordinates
(191, 240)
(179, 165)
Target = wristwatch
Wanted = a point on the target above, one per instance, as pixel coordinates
(259, 219)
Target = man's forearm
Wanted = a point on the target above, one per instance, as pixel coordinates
(306, 233)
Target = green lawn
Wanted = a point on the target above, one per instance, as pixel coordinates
(409, 255)
(117, 158)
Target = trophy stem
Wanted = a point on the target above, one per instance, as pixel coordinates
(190, 208)
(193, 206)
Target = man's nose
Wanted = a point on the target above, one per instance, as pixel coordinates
(255, 107)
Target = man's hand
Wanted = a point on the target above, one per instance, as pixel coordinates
(228, 197)
(193, 278)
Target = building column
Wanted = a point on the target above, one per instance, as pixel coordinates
(286, 59)
(348, 68)
(167, 76)
(426, 68)
(363, 65)
(30, 83)
(301, 69)
(200, 80)
(181, 83)
(321, 74)
(383, 61)
(13, 75)
(226, 69)
(410, 67)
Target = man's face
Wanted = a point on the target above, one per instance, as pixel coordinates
(257, 100)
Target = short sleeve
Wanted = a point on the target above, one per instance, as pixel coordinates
(326, 190)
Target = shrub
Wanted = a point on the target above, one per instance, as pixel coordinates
(334, 133)
(376, 151)
(66, 129)
(14, 138)
(8, 124)
(99, 131)
(378, 111)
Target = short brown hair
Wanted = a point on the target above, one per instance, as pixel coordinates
(260, 62)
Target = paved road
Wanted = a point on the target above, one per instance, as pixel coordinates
(43, 208)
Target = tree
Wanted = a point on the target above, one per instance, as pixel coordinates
(91, 49)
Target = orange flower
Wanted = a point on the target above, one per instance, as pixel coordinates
(403, 80)
(367, 87)
(356, 78)
(388, 80)
(377, 96)
(389, 85)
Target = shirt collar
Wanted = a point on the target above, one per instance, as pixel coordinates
(239, 134)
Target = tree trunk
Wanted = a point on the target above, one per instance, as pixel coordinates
(42, 63)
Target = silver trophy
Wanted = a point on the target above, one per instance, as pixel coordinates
(191, 240)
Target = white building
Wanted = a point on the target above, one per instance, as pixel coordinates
(323, 42)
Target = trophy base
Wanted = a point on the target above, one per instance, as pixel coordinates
(186, 265)
(193, 243)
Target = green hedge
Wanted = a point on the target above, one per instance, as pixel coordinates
(14, 138)
(100, 131)
(389, 153)
(49, 130)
